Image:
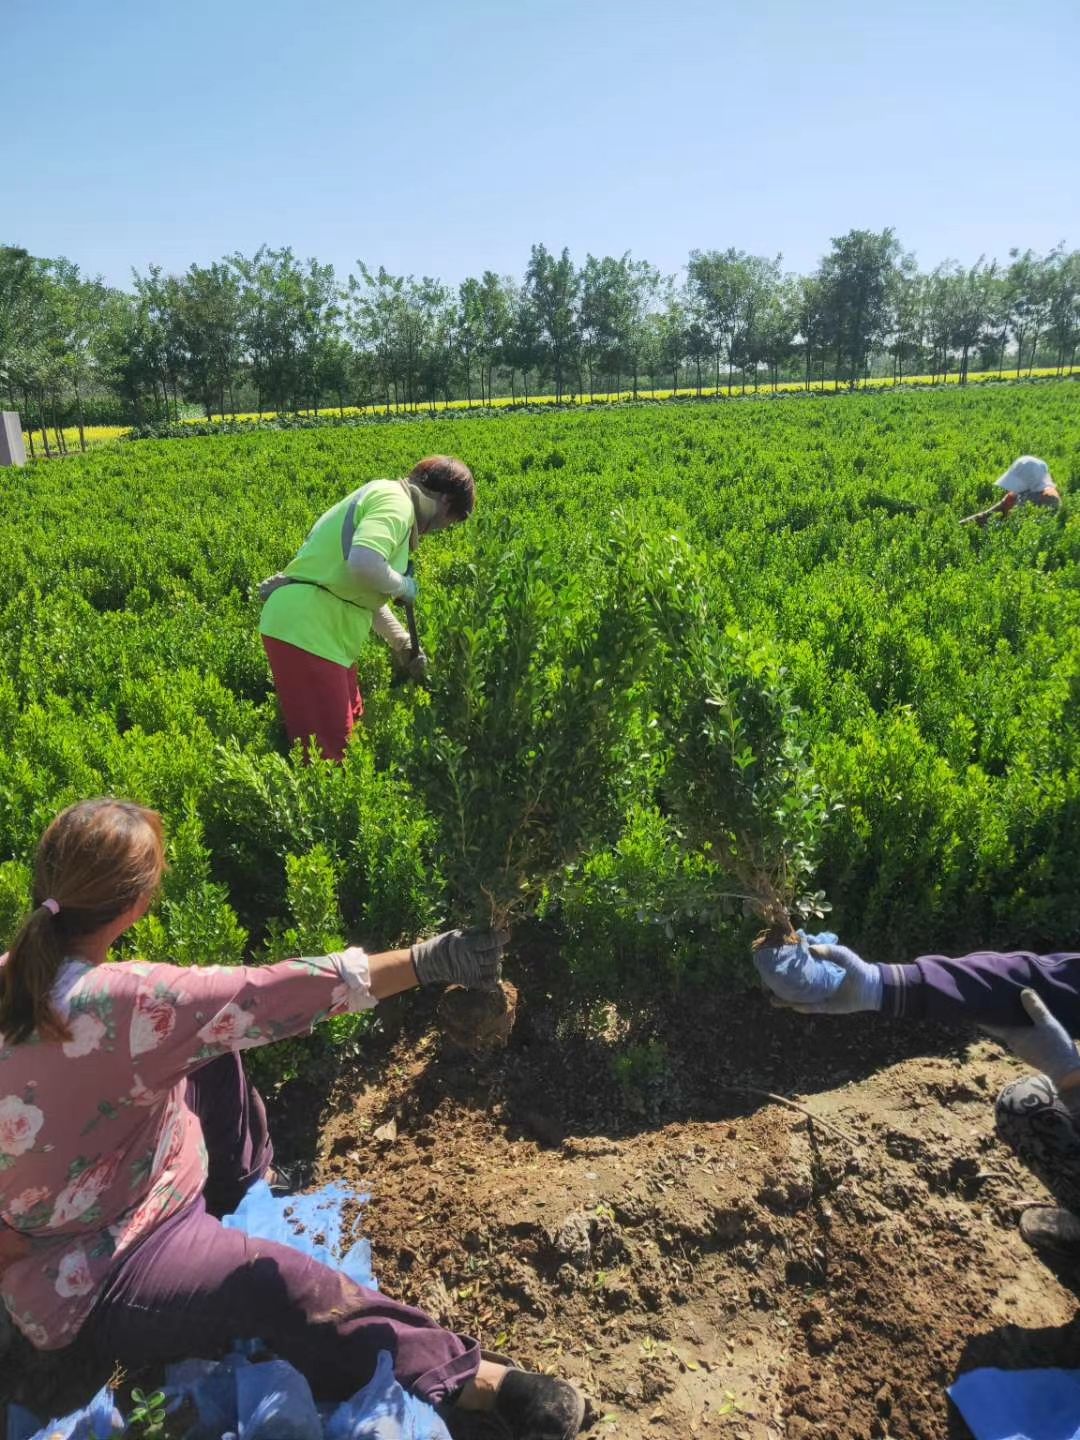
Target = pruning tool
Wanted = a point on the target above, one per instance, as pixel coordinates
(402, 675)
(410, 620)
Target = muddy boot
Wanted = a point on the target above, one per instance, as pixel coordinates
(1053, 1231)
(539, 1407)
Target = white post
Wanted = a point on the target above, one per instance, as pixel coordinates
(12, 449)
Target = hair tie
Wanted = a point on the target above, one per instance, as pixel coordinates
(53, 906)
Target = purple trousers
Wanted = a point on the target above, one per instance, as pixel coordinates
(191, 1287)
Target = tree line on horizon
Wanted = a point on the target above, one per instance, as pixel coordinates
(274, 332)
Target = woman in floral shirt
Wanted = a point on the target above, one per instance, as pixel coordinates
(127, 1128)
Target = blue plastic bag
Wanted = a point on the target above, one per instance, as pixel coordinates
(97, 1421)
(794, 975)
(1019, 1404)
(236, 1399)
(382, 1410)
(273, 1402)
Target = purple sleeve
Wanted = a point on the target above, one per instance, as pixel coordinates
(984, 987)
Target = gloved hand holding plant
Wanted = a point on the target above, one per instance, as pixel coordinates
(472, 958)
(818, 977)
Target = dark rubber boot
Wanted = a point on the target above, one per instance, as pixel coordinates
(1054, 1231)
(539, 1407)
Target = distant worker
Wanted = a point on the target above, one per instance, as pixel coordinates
(319, 612)
(1027, 481)
(1029, 1003)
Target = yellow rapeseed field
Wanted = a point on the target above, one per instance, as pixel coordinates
(103, 434)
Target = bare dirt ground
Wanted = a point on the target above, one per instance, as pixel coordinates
(701, 1259)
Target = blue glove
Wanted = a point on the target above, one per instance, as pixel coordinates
(819, 977)
(407, 590)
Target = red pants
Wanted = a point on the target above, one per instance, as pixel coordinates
(319, 700)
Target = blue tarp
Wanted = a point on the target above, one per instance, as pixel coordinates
(311, 1223)
(1019, 1404)
(237, 1399)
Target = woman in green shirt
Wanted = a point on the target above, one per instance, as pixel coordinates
(320, 610)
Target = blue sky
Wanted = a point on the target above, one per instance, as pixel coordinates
(444, 139)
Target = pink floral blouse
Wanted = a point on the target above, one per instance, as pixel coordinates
(97, 1144)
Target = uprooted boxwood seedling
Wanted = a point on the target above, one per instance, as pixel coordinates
(739, 779)
(525, 742)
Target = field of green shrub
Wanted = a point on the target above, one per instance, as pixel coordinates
(673, 646)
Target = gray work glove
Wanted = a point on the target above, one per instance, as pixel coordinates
(1044, 1044)
(472, 958)
(414, 666)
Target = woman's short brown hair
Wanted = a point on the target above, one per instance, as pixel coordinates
(443, 475)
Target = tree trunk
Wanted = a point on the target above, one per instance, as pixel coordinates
(29, 422)
(79, 414)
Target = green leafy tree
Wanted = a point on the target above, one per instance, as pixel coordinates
(496, 311)
(209, 320)
(856, 283)
(1063, 306)
(553, 287)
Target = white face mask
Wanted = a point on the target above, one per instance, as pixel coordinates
(432, 511)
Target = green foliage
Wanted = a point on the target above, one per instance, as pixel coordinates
(147, 1419)
(311, 884)
(740, 779)
(643, 916)
(617, 720)
(527, 735)
(196, 925)
(15, 881)
(639, 1068)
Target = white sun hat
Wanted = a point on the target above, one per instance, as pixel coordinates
(1027, 476)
